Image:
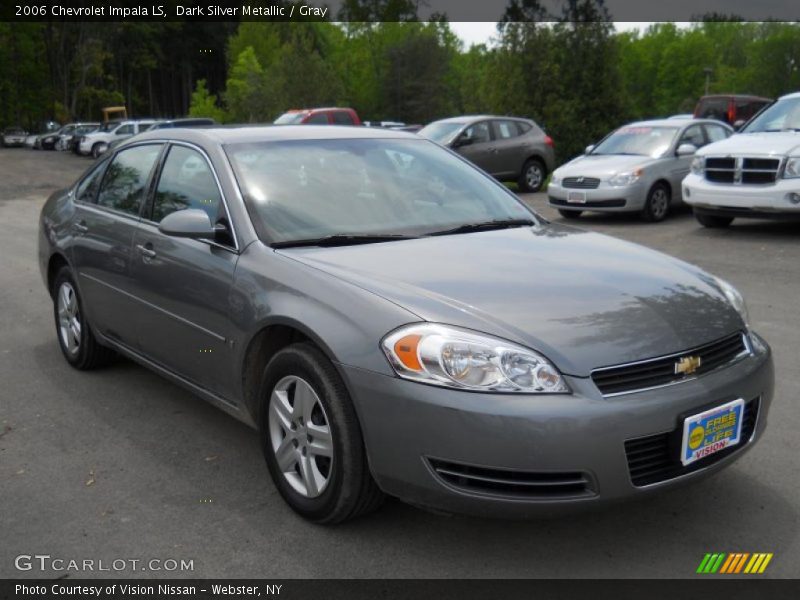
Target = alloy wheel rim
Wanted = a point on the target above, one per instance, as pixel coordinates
(659, 203)
(300, 436)
(533, 176)
(69, 318)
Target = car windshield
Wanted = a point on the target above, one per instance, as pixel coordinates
(310, 189)
(289, 118)
(108, 126)
(784, 115)
(638, 140)
(441, 132)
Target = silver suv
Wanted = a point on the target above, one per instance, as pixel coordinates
(97, 142)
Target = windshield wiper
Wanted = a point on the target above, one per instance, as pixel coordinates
(344, 239)
(486, 226)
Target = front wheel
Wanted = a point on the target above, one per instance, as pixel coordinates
(98, 149)
(713, 221)
(75, 337)
(312, 440)
(656, 207)
(532, 177)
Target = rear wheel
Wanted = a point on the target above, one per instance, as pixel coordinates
(713, 221)
(656, 207)
(533, 175)
(312, 439)
(570, 214)
(98, 149)
(75, 337)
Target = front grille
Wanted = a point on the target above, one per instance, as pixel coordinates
(656, 458)
(662, 371)
(581, 183)
(752, 171)
(511, 483)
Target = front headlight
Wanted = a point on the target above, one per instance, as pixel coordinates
(792, 168)
(555, 179)
(735, 298)
(698, 165)
(627, 178)
(457, 358)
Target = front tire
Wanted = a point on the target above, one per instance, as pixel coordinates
(532, 177)
(656, 207)
(96, 152)
(75, 337)
(311, 438)
(570, 214)
(713, 221)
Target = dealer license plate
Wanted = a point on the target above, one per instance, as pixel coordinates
(708, 432)
(576, 197)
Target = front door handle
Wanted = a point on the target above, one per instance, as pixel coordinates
(80, 228)
(145, 251)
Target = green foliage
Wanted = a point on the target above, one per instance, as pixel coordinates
(204, 104)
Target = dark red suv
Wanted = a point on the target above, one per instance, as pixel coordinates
(733, 109)
(319, 116)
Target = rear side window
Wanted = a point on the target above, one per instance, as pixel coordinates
(186, 181)
(87, 189)
(125, 180)
(124, 130)
(716, 133)
(341, 117)
(693, 135)
(506, 129)
(318, 119)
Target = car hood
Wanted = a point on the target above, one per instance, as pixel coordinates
(776, 143)
(584, 300)
(602, 167)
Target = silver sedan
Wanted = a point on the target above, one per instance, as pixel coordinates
(637, 168)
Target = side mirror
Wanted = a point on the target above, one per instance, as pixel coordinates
(686, 150)
(462, 140)
(738, 124)
(589, 149)
(189, 223)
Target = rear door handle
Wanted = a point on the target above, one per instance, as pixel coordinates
(80, 228)
(145, 251)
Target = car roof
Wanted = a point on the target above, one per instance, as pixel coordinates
(272, 133)
(473, 118)
(742, 96)
(792, 95)
(669, 122)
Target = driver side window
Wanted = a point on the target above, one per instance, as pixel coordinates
(479, 132)
(693, 135)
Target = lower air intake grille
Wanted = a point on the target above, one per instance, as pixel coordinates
(510, 483)
(656, 458)
(664, 370)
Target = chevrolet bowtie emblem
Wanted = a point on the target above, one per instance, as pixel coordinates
(687, 365)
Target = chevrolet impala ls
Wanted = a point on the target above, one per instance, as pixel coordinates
(393, 321)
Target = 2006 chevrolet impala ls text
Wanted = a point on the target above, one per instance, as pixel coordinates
(394, 321)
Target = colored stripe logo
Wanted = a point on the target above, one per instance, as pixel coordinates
(735, 563)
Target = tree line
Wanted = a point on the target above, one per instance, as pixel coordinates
(572, 72)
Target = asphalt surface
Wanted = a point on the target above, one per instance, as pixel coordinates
(120, 464)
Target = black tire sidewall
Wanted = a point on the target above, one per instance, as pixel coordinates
(78, 359)
(570, 214)
(308, 363)
(647, 213)
(523, 180)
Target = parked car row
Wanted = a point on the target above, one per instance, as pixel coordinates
(648, 166)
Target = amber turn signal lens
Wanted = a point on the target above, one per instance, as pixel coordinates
(406, 351)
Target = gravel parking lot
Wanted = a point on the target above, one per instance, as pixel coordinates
(120, 464)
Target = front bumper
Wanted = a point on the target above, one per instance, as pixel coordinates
(746, 200)
(410, 429)
(604, 198)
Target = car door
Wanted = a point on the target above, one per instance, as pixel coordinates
(680, 165)
(475, 144)
(510, 151)
(185, 283)
(107, 208)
